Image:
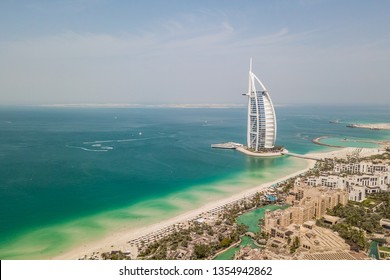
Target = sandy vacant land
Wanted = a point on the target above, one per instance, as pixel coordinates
(379, 126)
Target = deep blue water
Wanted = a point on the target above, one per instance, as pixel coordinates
(61, 163)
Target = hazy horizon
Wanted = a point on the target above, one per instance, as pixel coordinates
(193, 52)
(185, 105)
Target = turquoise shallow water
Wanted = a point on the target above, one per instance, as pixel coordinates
(251, 219)
(229, 254)
(373, 250)
(69, 175)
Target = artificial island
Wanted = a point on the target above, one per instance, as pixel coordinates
(261, 126)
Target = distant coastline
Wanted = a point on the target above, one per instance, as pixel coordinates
(373, 126)
(136, 105)
(382, 143)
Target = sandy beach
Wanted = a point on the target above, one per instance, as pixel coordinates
(343, 152)
(119, 240)
(377, 126)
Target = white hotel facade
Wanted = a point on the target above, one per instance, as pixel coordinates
(261, 115)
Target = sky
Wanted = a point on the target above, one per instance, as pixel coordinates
(193, 52)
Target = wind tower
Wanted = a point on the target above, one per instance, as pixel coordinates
(261, 115)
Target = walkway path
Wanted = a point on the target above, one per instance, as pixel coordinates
(301, 156)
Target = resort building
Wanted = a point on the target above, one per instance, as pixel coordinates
(331, 181)
(318, 239)
(311, 238)
(361, 167)
(358, 179)
(385, 223)
(357, 193)
(308, 204)
(298, 221)
(331, 220)
(334, 255)
(369, 180)
(384, 253)
(320, 199)
(261, 115)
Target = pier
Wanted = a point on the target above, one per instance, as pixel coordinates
(228, 145)
(260, 154)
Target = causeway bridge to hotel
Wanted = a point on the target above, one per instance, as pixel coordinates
(301, 156)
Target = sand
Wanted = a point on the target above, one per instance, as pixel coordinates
(377, 126)
(344, 152)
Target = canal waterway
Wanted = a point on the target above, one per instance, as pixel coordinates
(250, 219)
(373, 251)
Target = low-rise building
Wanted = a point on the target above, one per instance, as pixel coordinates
(368, 179)
(363, 167)
(364, 178)
(357, 193)
(384, 252)
(308, 203)
(331, 181)
(312, 202)
(311, 238)
(331, 220)
(385, 223)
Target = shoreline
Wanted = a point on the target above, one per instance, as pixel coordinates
(380, 143)
(344, 151)
(120, 240)
(318, 142)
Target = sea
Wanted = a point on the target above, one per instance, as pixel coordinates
(69, 176)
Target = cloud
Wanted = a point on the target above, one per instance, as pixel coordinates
(71, 44)
(188, 59)
(189, 33)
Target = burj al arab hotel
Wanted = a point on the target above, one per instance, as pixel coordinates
(261, 115)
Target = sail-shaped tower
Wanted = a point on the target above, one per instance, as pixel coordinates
(261, 115)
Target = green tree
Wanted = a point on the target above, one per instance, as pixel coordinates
(226, 242)
(201, 251)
